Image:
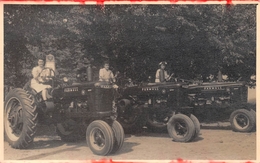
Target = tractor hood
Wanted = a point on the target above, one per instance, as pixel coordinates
(153, 88)
(216, 85)
(80, 89)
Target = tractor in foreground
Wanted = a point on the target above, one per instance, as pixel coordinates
(78, 110)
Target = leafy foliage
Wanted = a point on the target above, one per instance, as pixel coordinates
(196, 40)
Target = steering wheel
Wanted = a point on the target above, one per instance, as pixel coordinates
(46, 75)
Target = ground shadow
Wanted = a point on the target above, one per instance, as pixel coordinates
(197, 139)
(44, 144)
(48, 144)
(126, 148)
(216, 127)
(146, 132)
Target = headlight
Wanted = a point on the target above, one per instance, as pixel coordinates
(83, 92)
(65, 79)
(163, 91)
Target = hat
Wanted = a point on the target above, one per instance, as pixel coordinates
(162, 63)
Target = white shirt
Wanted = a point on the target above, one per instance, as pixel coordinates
(36, 78)
(157, 75)
(106, 75)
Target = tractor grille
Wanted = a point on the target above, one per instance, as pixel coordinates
(103, 99)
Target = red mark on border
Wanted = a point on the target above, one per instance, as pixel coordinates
(111, 161)
(179, 160)
(101, 2)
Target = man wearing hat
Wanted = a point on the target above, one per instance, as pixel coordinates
(161, 73)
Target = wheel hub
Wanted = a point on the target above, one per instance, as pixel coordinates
(241, 120)
(97, 138)
(180, 129)
(14, 119)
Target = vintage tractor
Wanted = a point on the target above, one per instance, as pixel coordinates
(159, 106)
(84, 109)
(222, 100)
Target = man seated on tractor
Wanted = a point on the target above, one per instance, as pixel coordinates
(161, 73)
(105, 74)
(130, 83)
(39, 77)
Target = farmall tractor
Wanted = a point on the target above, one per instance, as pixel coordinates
(223, 100)
(159, 106)
(83, 109)
(176, 105)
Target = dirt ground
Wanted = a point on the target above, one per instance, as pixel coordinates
(216, 142)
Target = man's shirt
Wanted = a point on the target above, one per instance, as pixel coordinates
(106, 75)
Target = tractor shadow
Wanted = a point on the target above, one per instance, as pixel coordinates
(216, 125)
(126, 148)
(38, 145)
(145, 132)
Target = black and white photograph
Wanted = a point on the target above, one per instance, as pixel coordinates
(129, 81)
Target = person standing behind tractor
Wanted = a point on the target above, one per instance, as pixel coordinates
(161, 74)
(37, 80)
(105, 74)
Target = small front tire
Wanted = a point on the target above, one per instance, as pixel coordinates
(242, 120)
(181, 128)
(100, 137)
(196, 124)
(119, 136)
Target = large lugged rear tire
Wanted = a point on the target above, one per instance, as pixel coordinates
(181, 128)
(196, 124)
(119, 136)
(20, 119)
(157, 122)
(132, 120)
(69, 131)
(100, 137)
(242, 120)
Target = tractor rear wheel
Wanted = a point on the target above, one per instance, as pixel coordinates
(20, 118)
(132, 119)
(69, 131)
(157, 121)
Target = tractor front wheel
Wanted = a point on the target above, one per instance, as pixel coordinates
(181, 128)
(242, 120)
(119, 136)
(100, 137)
(196, 124)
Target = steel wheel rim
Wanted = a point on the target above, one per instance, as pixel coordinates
(62, 130)
(97, 139)
(129, 120)
(180, 129)
(241, 121)
(153, 118)
(13, 118)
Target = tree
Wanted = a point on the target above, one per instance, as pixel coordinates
(195, 40)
